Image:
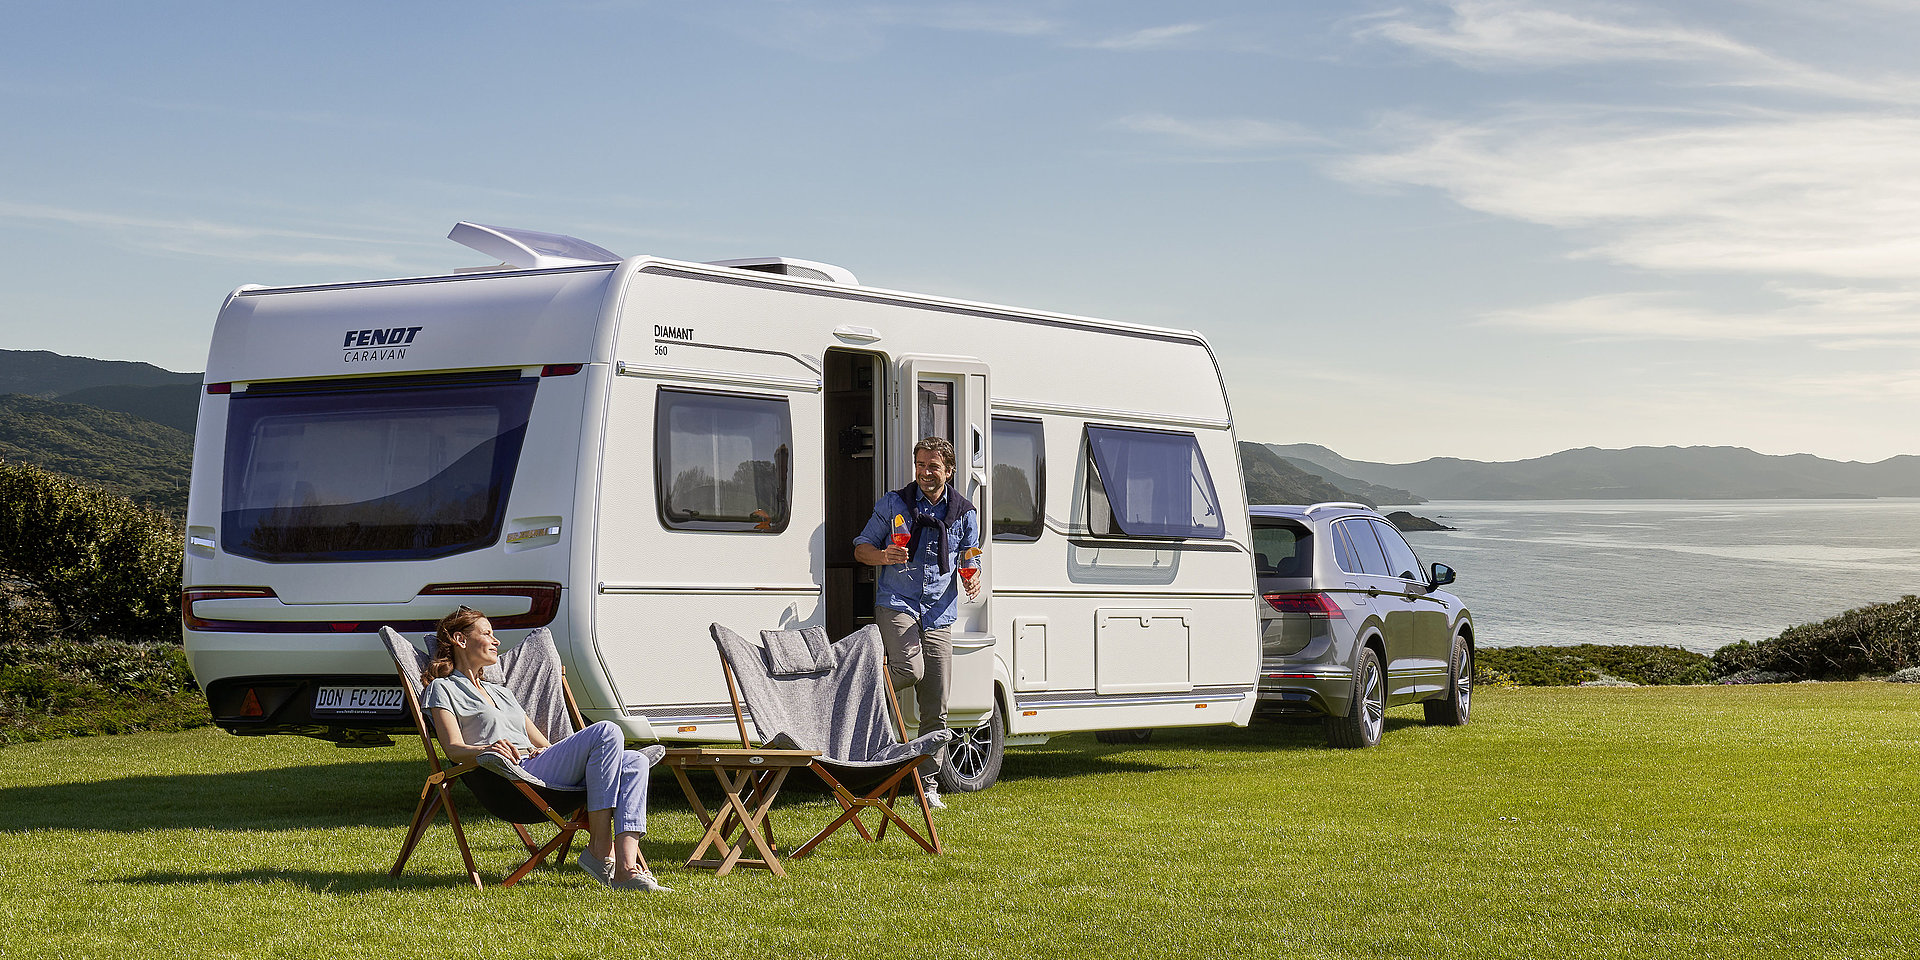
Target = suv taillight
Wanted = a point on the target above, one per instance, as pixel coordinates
(1316, 605)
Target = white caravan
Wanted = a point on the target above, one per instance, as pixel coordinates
(627, 450)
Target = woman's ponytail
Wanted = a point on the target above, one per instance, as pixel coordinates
(457, 622)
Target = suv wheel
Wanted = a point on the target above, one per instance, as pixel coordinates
(1454, 710)
(1366, 711)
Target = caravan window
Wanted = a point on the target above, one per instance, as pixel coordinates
(724, 461)
(1019, 479)
(1150, 483)
(371, 470)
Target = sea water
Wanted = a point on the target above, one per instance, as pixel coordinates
(1697, 574)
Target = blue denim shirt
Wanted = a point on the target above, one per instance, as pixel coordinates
(917, 586)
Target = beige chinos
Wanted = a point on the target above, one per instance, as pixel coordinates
(921, 660)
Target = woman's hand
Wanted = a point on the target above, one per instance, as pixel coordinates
(504, 748)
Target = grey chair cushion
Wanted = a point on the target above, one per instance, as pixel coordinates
(791, 653)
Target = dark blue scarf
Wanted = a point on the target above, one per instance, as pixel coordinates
(957, 507)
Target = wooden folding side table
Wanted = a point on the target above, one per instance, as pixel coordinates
(749, 780)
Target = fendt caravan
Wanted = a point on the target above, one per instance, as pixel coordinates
(625, 451)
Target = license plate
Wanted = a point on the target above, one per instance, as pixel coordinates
(367, 700)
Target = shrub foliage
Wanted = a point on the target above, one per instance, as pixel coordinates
(89, 612)
(64, 689)
(1873, 640)
(1587, 662)
(78, 563)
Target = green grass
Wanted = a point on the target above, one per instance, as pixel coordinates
(1758, 821)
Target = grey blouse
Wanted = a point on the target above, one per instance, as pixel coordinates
(481, 722)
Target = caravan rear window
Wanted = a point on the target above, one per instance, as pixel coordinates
(364, 470)
(1150, 483)
(724, 461)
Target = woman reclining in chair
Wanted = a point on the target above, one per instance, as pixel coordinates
(476, 718)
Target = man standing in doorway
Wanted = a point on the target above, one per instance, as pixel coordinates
(917, 598)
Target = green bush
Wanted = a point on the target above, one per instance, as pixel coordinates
(1870, 641)
(1587, 663)
(78, 563)
(64, 689)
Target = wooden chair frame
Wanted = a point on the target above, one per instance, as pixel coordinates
(853, 804)
(437, 794)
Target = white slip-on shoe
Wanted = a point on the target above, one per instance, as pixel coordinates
(644, 881)
(933, 794)
(599, 868)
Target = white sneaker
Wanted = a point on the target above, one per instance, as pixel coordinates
(933, 794)
(643, 881)
(599, 868)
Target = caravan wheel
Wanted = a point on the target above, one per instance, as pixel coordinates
(973, 757)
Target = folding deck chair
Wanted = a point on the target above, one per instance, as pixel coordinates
(806, 694)
(532, 671)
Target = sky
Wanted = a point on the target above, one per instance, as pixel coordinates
(1489, 229)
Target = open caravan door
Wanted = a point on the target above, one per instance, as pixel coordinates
(946, 397)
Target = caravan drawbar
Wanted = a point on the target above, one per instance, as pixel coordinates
(625, 450)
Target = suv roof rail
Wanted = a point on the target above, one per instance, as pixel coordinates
(1338, 505)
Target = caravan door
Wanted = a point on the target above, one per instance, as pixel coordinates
(946, 397)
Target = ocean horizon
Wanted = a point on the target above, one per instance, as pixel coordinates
(1697, 574)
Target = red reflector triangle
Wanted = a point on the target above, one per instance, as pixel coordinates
(250, 707)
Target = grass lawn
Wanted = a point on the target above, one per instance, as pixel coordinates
(1761, 821)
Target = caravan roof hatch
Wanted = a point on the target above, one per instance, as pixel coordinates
(529, 249)
(791, 267)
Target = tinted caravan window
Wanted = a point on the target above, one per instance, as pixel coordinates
(360, 470)
(1150, 483)
(724, 461)
(1019, 479)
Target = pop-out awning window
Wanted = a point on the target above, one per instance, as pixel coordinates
(1151, 483)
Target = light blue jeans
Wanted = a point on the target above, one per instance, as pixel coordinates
(613, 775)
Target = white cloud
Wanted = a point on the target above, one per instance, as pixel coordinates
(1507, 32)
(1151, 38)
(1819, 195)
(1668, 316)
(966, 17)
(224, 241)
(1226, 134)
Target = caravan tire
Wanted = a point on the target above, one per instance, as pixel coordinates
(1124, 736)
(973, 756)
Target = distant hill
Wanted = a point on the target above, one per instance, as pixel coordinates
(128, 455)
(176, 405)
(1271, 479)
(40, 373)
(1637, 473)
(1375, 493)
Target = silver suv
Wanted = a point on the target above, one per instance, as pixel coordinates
(1353, 624)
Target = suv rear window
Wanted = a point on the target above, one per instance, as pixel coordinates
(1282, 550)
(371, 470)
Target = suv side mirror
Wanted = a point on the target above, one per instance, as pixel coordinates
(1442, 575)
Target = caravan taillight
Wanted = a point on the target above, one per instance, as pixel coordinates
(190, 597)
(561, 369)
(218, 388)
(543, 600)
(543, 604)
